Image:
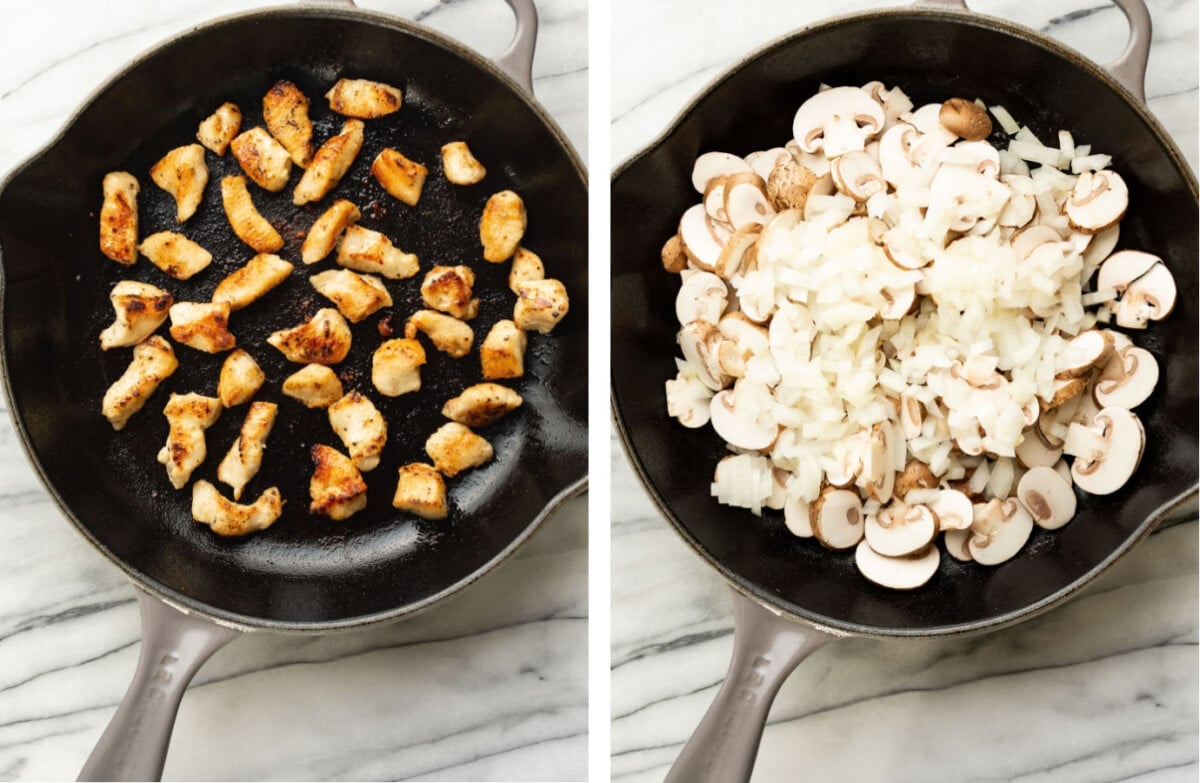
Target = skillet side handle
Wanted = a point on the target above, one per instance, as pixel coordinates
(766, 648)
(517, 59)
(1130, 66)
(174, 647)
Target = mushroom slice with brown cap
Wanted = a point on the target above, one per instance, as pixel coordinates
(1036, 449)
(789, 183)
(688, 401)
(715, 164)
(916, 475)
(737, 427)
(1001, 528)
(1149, 298)
(765, 162)
(899, 529)
(702, 297)
(898, 302)
(1133, 380)
(1102, 244)
(732, 259)
(837, 121)
(699, 243)
(858, 175)
(1113, 457)
(951, 510)
(836, 518)
(896, 157)
(1122, 268)
(965, 118)
(1065, 389)
(700, 342)
(796, 517)
(958, 544)
(746, 333)
(898, 573)
(911, 416)
(1099, 199)
(1030, 238)
(673, 258)
(714, 199)
(878, 475)
(1049, 498)
(745, 200)
(1083, 352)
(1021, 207)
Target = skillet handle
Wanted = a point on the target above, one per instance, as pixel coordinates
(174, 647)
(766, 648)
(517, 59)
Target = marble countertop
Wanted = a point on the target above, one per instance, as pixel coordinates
(490, 686)
(1102, 689)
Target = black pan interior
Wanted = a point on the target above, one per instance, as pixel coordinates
(932, 57)
(306, 570)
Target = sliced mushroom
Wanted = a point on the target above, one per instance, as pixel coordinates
(1099, 199)
(858, 175)
(952, 510)
(699, 243)
(1101, 246)
(898, 573)
(714, 198)
(837, 121)
(737, 427)
(1151, 297)
(1021, 207)
(1036, 449)
(745, 200)
(878, 475)
(1122, 268)
(688, 401)
(836, 518)
(732, 260)
(789, 183)
(916, 475)
(900, 529)
(796, 517)
(702, 297)
(1047, 497)
(1130, 383)
(1111, 457)
(965, 118)
(1030, 238)
(715, 164)
(700, 342)
(911, 416)
(1001, 528)
(1083, 352)
(765, 162)
(673, 257)
(958, 544)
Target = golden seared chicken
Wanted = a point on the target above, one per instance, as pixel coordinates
(421, 490)
(153, 362)
(364, 99)
(247, 284)
(323, 339)
(219, 128)
(175, 254)
(364, 250)
(285, 112)
(327, 229)
(448, 288)
(329, 164)
(454, 448)
(119, 217)
(240, 379)
(361, 427)
(399, 176)
(244, 458)
(183, 173)
(264, 160)
(448, 334)
(459, 164)
(526, 266)
(226, 518)
(541, 304)
(396, 367)
(202, 325)
(481, 404)
(502, 352)
(188, 416)
(315, 385)
(337, 488)
(140, 309)
(502, 226)
(245, 219)
(356, 296)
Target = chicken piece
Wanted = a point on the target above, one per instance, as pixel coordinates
(448, 334)
(323, 339)
(153, 362)
(202, 325)
(188, 416)
(119, 217)
(252, 281)
(364, 250)
(448, 288)
(337, 488)
(541, 304)
(362, 428)
(421, 490)
(459, 165)
(226, 518)
(356, 296)
(240, 379)
(502, 226)
(329, 164)
(327, 229)
(245, 219)
(183, 173)
(481, 404)
(396, 367)
(526, 266)
(285, 112)
(175, 254)
(219, 128)
(454, 448)
(364, 99)
(315, 385)
(244, 459)
(502, 352)
(264, 160)
(140, 309)
(399, 176)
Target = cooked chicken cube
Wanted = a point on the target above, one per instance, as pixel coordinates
(459, 165)
(244, 459)
(219, 128)
(502, 226)
(337, 488)
(264, 160)
(364, 250)
(361, 427)
(240, 379)
(245, 219)
(188, 416)
(285, 112)
(226, 518)
(448, 288)
(526, 266)
(249, 283)
(421, 490)
(399, 176)
(481, 404)
(323, 339)
(183, 173)
(315, 385)
(119, 217)
(140, 309)
(202, 325)
(454, 448)
(329, 164)
(448, 334)
(541, 304)
(153, 362)
(356, 296)
(396, 367)
(175, 254)
(502, 352)
(363, 98)
(327, 229)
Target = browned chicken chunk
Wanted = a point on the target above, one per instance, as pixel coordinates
(502, 226)
(364, 250)
(502, 352)
(323, 339)
(140, 309)
(153, 362)
(481, 404)
(202, 325)
(541, 304)
(460, 166)
(526, 266)
(421, 490)
(226, 518)
(447, 334)
(264, 159)
(183, 173)
(188, 416)
(285, 113)
(219, 128)
(337, 488)
(315, 385)
(247, 284)
(119, 217)
(448, 288)
(399, 176)
(244, 458)
(356, 296)
(327, 229)
(176, 255)
(245, 219)
(362, 428)
(240, 379)
(329, 164)
(396, 367)
(363, 98)
(454, 448)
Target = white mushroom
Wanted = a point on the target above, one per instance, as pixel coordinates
(1101, 246)
(715, 164)
(1030, 238)
(837, 121)
(1120, 269)
(1150, 297)
(1021, 207)
(1127, 380)
(688, 401)
(958, 544)
(911, 416)
(836, 518)
(858, 175)
(900, 529)
(699, 242)
(1049, 498)
(1036, 449)
(796, 517)
(739, 427)
(745, 200)
(1001, 528)
(1099, 199)
(952, 510)
(898, 573)
(732, 259)
(700, 342)
(1110, 452)
(1083, 352)
(702, 297)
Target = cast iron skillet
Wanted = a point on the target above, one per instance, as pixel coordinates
(791, 595)
(306, 573)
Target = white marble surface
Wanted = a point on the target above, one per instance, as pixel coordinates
(1102, 689)
(490, 686)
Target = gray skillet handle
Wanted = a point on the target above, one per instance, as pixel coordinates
(517, 60)
(174, 647)
(766, 648)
